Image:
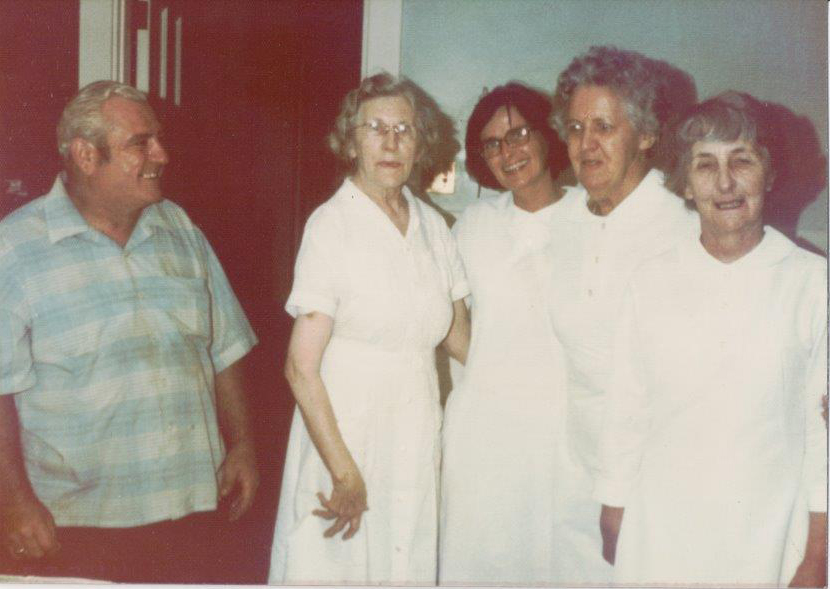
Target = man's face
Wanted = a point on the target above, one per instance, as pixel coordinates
(129, 180)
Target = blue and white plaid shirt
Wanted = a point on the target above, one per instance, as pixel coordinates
(112, 353)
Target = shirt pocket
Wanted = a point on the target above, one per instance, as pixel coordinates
(181, 305)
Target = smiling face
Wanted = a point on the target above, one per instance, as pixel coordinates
(727, 182)
(606, 151)
(384, 161)
(515, 167)
(129, 179)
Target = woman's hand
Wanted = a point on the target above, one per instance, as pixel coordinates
(346, 504)
(812, 572)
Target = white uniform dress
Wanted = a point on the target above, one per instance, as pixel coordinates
(592, 260)
(498, 484)
(391, 299)
(714, 435)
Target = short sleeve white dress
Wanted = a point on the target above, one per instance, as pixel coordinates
(391, 299)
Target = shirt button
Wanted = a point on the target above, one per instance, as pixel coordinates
(596, 259)
(590, 292)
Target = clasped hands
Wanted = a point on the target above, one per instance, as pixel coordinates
(345, 506)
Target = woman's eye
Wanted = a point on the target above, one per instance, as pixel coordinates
(604, 127)
(573, 128)
(704, 166)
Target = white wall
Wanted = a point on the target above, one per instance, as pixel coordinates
(101, 41)
(774, 50)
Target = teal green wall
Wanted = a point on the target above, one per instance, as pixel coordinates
(775, 50)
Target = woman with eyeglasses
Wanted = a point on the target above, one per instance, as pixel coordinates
(498, 484)
(378, 285)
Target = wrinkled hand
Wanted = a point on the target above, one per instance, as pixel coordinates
(346, 505)
(610, 521)
(812, 572)
(239, 471)
(28, 529)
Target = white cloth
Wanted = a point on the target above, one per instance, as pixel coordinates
(592, 260)
(713, 422)
(391, 300)
(498, 484)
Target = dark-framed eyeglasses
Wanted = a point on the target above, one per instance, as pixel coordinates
(513, 138)
(379, 129)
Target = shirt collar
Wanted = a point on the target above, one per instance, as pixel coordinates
(63, 219)
(62, 216)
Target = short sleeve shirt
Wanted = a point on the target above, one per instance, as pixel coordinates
(112, 354)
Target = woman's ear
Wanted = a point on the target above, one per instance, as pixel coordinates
(646, 141)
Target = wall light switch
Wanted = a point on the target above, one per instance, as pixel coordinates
(444, 183)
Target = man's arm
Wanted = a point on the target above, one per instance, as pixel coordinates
(239, 468)
(27, 528)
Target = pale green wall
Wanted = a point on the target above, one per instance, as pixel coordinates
(775, 50)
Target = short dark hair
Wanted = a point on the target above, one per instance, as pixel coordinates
(534, 107)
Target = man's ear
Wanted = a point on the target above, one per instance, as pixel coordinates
(84, 155)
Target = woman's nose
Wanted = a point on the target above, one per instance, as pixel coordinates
(390, 140)
(726, 181)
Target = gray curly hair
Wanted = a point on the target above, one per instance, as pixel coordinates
(629, 74)
(82, 117)
(434, 130)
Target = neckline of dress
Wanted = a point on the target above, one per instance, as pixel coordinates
(414, 215)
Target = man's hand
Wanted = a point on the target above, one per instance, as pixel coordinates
(610, 521)
(28, 529)
(239, 471)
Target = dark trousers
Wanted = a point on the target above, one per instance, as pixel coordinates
(186, 550)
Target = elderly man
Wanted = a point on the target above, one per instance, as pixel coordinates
(122, 411)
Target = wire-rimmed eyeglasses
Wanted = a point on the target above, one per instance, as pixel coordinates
(513, 138)
(380, 129)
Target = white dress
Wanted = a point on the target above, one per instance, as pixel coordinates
(592, 260)
(714, 435)
(391, 300)
(498, 484)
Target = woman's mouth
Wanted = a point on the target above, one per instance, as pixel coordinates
(514, 167)
(729, 205)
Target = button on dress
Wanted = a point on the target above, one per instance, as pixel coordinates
(391, 299)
